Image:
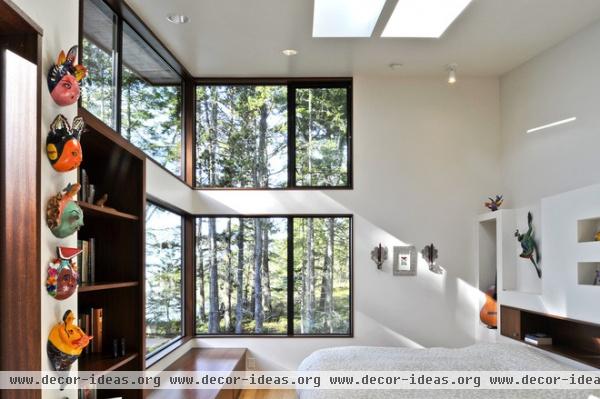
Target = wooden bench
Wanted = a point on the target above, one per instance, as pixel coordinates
(209, 359)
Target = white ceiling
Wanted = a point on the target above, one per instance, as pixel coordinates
(245, 38)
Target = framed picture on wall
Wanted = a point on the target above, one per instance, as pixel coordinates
(405, 261)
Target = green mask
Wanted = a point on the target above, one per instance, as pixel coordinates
(70, 221)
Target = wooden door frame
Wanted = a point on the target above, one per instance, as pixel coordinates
(20, 271)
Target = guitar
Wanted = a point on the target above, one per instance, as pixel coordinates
(489, 312)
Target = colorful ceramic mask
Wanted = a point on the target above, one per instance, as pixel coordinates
(65, 343)
(63, 216)
(62, 144)
(62, 273)
(64, 78)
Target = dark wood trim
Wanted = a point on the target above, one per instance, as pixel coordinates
(228, 81)
(189, 277)
(14, 21)
(84, 287)
(20, 200)
(189, 129)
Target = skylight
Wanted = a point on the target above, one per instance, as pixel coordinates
(423, 18)
(346, 18)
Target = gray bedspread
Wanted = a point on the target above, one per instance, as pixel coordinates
(486, 357)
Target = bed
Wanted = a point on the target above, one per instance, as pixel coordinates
(483, 356)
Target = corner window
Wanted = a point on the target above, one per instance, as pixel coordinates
(164, 278)
(278, 275)
(273, 135)
(151, 103)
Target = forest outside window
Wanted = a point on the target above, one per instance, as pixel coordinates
(164, 271)
(276, 275)
(290, 134)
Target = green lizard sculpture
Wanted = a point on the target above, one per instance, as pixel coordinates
(529, 246)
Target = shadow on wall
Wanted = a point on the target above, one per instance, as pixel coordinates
(422, 311)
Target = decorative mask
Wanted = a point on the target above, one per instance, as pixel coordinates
(62, 273)
(63, 216)
(65, 343)
(64, 78)
(62, 144)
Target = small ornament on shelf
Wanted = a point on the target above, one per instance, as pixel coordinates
(63, 216)
(102, 200)
(494, 203)
(64, 78)
(63, 274)
(65, 343)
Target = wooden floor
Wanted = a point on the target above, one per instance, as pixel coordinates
(268, 394)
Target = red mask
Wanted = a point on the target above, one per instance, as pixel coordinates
(66, 91)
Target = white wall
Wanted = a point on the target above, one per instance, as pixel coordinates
(426, 156)
(561, 82)
(58, 19)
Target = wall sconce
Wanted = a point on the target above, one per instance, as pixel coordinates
(379, 255)
(430, 254)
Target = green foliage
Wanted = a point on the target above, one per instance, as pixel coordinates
(329, 244)
(97, 91)
(164, 267)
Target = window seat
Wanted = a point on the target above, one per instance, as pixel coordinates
(209, 359)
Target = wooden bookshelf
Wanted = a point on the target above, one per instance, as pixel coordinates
(87, 287)
(574, 339)
(115, 168)
(99, 211)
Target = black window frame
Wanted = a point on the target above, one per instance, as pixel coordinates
(290, 275)
(152, 357)
(292, 85)
(125, 15)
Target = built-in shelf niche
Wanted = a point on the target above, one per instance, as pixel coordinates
(587, 229)
(586, 272)
(487, 253)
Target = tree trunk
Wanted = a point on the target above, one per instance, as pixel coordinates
(200, 271)
(239, 306)
(267, 302)
(213, 292)
(327, 283)
(229, 278)
(309, 280)
(258, 309)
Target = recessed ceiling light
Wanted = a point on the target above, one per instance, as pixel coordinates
(423, 18)
(451, 68)
(178, 18)
(395, 65)
(290, 52)
(346, 18)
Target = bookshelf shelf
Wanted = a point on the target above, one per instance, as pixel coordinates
(88, 287)
(95, 210)
(116, 254)
(104, 362)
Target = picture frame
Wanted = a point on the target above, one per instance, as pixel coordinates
(405, 261)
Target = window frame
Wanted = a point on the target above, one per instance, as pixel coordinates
(290, 275)
(292, 85)
(125, 15)
(156, 355)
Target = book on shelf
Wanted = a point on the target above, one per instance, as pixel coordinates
(86, 261)
(97, 329)
(92, 261)
(85, 325)
(83, 261)
(84, 182)
(538, 339)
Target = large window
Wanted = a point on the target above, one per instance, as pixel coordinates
(284, 135)
(99, 57)
(279, 275)
(151, 102)
(141, 95)
(164, 271)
